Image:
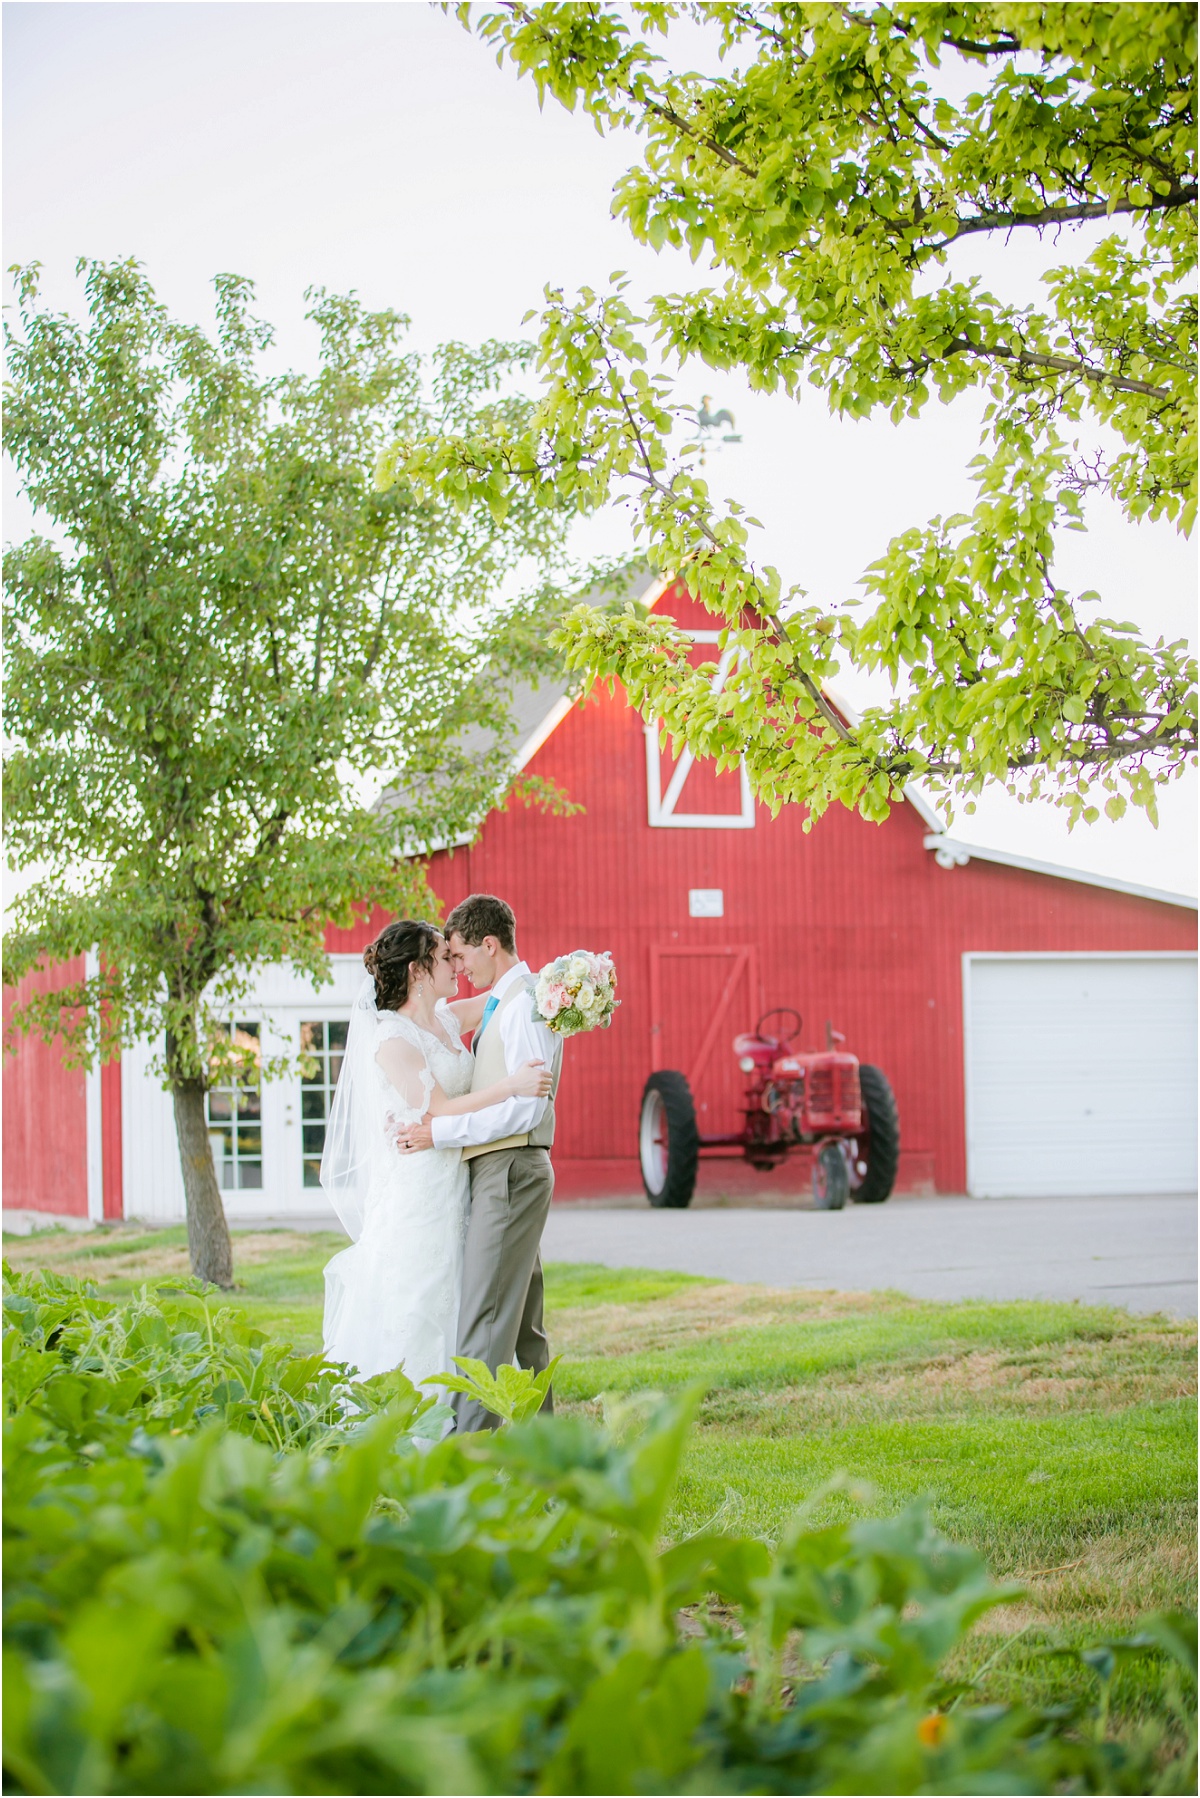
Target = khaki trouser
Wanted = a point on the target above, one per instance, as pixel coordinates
(500, 1317)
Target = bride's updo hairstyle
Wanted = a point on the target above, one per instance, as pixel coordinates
(407, 944)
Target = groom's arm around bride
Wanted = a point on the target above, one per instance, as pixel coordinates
(507, 1148)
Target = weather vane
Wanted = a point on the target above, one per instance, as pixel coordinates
(709, 424)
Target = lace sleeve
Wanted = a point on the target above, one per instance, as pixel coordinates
(404, 1065)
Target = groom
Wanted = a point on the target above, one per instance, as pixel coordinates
(500, 1318)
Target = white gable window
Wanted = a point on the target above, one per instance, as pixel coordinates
(664, 809)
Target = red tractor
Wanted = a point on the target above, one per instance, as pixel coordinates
(825, 1101)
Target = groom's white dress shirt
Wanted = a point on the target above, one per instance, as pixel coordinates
(523, 1040)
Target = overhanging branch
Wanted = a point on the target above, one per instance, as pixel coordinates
(1069, 215)
(1065, 365)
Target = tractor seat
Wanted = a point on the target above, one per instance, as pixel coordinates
(759, 1048)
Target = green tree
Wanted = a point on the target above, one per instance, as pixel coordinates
(227, 646)
(830, 177)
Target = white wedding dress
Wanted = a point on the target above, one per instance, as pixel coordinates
(391, 1299)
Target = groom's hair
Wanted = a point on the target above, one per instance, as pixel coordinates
(480, 915)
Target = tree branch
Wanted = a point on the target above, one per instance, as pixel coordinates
(1069, 215)
(773, 623)
(1056, 365)
(1004, 46)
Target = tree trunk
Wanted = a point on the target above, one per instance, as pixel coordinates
(208, 1233)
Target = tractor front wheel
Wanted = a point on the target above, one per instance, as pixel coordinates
(830, 1178)
(877, 1155)
(668, 1140)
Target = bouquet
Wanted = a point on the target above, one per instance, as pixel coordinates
(576, 992)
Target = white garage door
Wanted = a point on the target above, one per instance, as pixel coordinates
(1081, 1074)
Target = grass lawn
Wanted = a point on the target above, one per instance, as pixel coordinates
(1058, 1438)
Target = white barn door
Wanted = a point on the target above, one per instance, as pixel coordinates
(1080, 1074)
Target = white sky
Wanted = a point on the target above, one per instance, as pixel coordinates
(376, 146)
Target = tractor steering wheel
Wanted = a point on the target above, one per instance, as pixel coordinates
(782, 1011)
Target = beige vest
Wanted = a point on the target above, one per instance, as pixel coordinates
(490, 1067)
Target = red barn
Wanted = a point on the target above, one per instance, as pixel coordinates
(1037, 1025)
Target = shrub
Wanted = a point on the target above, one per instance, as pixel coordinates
(101, 1377)
(207, 1591)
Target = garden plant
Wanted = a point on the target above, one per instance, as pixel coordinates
(231, 1567)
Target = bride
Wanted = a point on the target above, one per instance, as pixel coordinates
(391, 1299)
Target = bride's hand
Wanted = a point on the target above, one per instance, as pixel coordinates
(533, 1081)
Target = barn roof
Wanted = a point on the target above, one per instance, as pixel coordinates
(950, 852)
(953, 852)
(538, 711)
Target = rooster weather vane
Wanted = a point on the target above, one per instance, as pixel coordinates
(709, 424)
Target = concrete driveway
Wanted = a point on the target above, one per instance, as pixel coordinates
(1135, 1252)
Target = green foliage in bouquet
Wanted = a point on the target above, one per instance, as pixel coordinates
(191, 1607)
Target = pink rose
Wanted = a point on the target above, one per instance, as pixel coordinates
(556, 1000)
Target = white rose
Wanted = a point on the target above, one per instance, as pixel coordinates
(579, 969)
(585, 998)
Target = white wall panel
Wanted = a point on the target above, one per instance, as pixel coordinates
(152, 1181)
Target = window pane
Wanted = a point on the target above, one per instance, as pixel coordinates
(325, 1040)
(237, 1145)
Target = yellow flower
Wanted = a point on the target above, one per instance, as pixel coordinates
(932, 1730)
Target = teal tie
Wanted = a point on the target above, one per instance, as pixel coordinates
(488, 1009)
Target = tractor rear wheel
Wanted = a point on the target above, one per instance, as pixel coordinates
(880, 1146)
(830, 1178)
(668, 1141)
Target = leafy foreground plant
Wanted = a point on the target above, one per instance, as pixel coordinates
(193, 1608)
